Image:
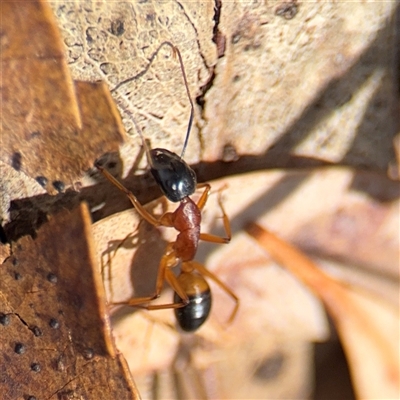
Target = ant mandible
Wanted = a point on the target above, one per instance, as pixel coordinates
(192, 299)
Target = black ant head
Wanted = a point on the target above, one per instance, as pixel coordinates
(175, 178)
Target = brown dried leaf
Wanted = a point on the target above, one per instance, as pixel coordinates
(277, 312)
(56, 337)
(52, 129)
(14, 185)
(283, 91)
(4, 251)
(367, 325)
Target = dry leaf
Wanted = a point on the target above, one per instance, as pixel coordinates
(282, 92)
(55, 332)
(4, 251)
(317, 86)
(330, 112)
(367, 325)
(271, 91)
(52, 129)
(276, 310)
(113, 41)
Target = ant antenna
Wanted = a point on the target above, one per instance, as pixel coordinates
(176, 50)
(141, 73)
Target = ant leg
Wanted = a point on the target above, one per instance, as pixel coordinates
(204, 271)
(139, 302)
(204, 197)
(227, 226)
(165, 220)
(173, 282)
(168, 261)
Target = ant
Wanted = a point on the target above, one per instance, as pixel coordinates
(192, 298)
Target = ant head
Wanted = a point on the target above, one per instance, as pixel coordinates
(175, 178)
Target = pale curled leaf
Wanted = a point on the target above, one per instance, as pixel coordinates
(114, 41)
(367, 325)
(315, 86)
(276, 311)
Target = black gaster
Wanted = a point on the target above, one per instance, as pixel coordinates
(194, 314)
(175, 178)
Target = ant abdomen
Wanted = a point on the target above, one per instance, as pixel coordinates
(191, 316)
(175, 178)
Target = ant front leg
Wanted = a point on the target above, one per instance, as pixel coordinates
(207, 237)
(135, 202)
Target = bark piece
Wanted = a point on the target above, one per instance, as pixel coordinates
(55, 332)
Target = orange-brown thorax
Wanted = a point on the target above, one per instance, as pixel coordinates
(186, 220)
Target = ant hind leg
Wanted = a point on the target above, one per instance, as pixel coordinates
(204, 271)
